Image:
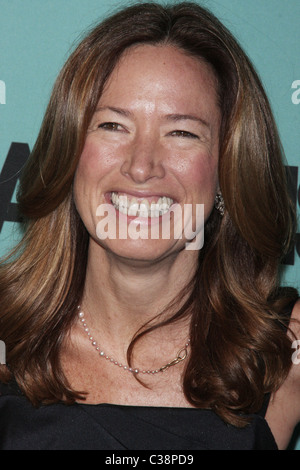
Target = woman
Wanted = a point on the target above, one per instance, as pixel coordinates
(153, 343)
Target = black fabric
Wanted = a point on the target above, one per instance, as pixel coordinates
(116, 427)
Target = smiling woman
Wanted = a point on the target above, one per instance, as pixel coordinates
(162, 131)
(152, 345)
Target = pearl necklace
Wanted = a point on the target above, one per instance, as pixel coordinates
(181, 355)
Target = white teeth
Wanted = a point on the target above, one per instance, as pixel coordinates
(132, 210)
(131, 206)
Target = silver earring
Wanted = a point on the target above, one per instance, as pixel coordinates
(219, 204)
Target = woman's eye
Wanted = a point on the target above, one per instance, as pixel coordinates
(110, 126)
(179, 133)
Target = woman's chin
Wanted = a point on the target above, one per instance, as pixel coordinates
(141, 250)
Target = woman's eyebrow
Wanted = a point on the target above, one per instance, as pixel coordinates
(191, 117)
(121, 111)
(170, 117)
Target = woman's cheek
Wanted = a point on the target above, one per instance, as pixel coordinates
(199, 172)
(90, 161)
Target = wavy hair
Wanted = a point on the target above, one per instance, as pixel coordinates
(239, 349)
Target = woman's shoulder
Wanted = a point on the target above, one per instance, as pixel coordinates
(295, 331)
(24, 426)
(10, 388)
(283, 413)
(294, 327)
(296, 316)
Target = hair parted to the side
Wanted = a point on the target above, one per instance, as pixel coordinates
(239, 350)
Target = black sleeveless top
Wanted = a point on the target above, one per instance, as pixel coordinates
(118, 427)
(121, 427)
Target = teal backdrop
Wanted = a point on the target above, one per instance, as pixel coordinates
(36, 37)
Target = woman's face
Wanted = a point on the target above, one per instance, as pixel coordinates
(151, 154)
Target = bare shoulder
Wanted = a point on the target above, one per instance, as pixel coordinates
(284, 410)
(295, 319)
(295, 329)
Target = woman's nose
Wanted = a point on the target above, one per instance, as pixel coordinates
(144, 160)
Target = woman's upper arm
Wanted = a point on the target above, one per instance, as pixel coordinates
(283, 412)
(293, 379)
(295, 355)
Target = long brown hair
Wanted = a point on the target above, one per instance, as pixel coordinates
(239, 350)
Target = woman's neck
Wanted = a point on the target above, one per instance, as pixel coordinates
(122, 295)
